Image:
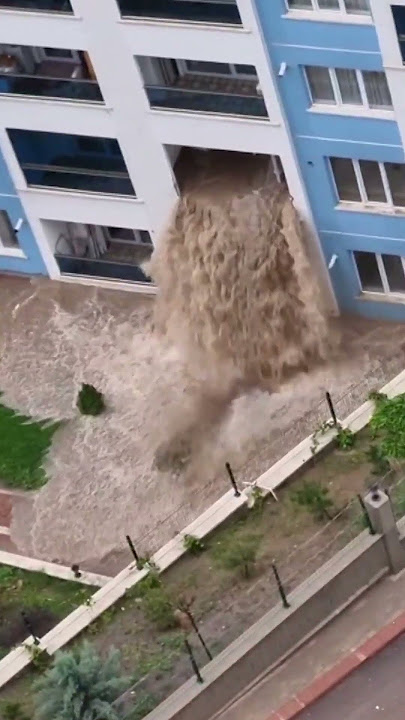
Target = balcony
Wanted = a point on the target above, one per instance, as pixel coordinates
(48, 72)
(221, 12)
(203, 87)
(398, 12)
(49, 6)
(71, 162)
(108, 253)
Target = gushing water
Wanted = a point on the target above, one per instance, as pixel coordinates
(236, 292)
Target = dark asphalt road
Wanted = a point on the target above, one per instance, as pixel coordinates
(375, 690)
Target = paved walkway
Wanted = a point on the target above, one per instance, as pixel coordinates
(375, 690)
(374, 610)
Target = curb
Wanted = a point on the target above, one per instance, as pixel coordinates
(331, 678)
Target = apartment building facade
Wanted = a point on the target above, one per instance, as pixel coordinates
(100, 98)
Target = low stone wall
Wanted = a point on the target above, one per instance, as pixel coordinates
(314, 603)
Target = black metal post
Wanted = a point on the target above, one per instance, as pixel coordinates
(200, 637)
(193, 661)
(280, 586)
(365, 514)
(232, 479)
(331, 408)
(76, 570)
(28, 624)
(132, 549)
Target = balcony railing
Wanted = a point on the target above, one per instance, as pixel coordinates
(42, 86)
(206, 101)
(91, 180)
(223, 12)
(99, 268)
(57, 6)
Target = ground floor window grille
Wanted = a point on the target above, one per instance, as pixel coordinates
(380, 273)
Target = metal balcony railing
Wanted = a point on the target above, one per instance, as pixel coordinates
(112, 182)
(100, 268)
(57, 6)
(206, 101)
(56, 88)
(223, 12)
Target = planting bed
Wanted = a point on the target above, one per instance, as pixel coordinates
(300, 532)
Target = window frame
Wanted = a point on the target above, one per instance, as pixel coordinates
(365, 105)
(11, 250)
(233, 73)
(339, 13)
(383, 275)
(364, 202)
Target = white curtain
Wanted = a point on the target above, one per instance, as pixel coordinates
(357, 6)
(377, 90)
(349, 87)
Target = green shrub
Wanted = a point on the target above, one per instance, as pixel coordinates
(144, 704)
(345, 438)
(12, 711)
(388, 425)
(158, 608)
(193, 545)
(314, 498)
(380, 464)
(81, 685)
(238, 554)
(90, 401)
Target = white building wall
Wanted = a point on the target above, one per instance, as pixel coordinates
(142, 133)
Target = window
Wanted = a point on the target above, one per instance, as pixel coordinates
(339, 86)
(201, 67)
(380, 273)
(349, 7)
(369, 182)
(8, 237)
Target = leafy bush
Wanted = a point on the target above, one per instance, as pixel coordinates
(12, 711)
(159, 609)
(238, 554)
(193, 545)
(90, 401)
(80, 686)
(380, 464)
(388, 424)
(345, 438)
(143, 705)
(316, 498)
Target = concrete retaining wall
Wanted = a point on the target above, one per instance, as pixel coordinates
(325, 593)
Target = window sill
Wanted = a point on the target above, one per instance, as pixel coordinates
(370, 209)
(187, 24)
(211, 116)
(12, 252)
(351, 111)
(329, 17)
(368, 296)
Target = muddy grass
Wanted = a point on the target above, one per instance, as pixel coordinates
(44, 600)
(223, 601)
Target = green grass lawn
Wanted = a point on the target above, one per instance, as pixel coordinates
(23, 446)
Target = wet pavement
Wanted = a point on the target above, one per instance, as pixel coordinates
(103, 481)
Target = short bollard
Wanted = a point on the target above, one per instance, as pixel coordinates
(193, 661)
(28, 624)
(280, 587)
(232, 479)
(76, 571)
(133, 551)
(331, 408)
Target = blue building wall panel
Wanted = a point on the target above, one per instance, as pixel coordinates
(32, 263)
(317, 136)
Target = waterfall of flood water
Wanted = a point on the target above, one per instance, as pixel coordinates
(235, 289)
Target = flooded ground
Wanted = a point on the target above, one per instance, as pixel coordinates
(104, 481)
